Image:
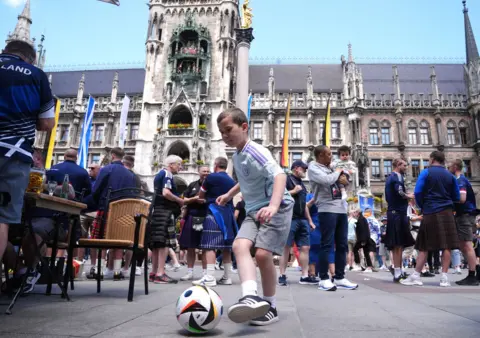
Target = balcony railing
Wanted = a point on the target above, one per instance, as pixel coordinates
(180, 132)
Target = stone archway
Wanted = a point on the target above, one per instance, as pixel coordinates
(181, 115)
(179, 148)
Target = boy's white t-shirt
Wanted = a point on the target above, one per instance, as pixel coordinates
(256, 169)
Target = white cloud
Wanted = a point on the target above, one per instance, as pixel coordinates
(14, 3)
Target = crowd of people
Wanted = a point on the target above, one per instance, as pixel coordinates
(274, 214)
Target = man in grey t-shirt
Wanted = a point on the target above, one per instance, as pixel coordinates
(333, 219)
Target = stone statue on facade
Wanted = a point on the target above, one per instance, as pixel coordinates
(246, 15)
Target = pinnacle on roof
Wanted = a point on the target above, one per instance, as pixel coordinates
(470, 43)
(22, 29)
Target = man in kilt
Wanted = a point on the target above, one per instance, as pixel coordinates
(436, 193)
(196, 212)
(162, 228)
(465, 211)
(398, 235)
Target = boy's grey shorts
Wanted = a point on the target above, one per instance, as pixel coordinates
(270, 236)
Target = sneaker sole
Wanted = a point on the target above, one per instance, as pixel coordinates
(264, 323)
(411, 284)
(347, 287)
(224, 283)
(209, 284)
(241, 313)
(331, 289)
(308, 283)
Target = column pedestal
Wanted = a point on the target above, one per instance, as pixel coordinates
(244, 38)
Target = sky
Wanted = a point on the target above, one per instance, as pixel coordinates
(89, 33)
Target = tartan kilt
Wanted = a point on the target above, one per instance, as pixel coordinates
(212, 236)
(438, 231)
(97, 224)
(189, 238)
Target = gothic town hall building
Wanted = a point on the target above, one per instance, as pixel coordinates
(382, 111)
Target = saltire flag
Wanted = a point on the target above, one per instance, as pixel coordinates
(249, 108)
(123, 121)
(327, 127)
(85, 139)
(112, 2)
(284, 159)
(53, 136)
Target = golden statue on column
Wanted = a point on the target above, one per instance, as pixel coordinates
(246, 15)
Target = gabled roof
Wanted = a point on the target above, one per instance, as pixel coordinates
(377, 79)
(98, 82)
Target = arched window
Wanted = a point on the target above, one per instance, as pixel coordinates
(373, 132)
(451, 132)
(412, 132)
(386, 128)
(463, 130)
(425, 133)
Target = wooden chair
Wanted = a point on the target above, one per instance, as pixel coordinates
(126, 218)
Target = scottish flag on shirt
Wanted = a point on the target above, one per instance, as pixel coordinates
(25, 97)
(85, 139)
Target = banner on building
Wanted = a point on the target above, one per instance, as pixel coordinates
(123, 122)
(53, 136)
(366, 203)
(85, 138)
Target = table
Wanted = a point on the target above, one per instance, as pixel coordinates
(54, 203)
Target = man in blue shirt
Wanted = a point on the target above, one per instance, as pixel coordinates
(78, 177)
(162, 228)
(26, 104)
(465, 211)
(299, 228)
(436, 192)
(114, 176)
(398, 234)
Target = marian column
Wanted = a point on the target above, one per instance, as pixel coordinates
(244, 37)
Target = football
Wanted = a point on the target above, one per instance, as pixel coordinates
(199, 309)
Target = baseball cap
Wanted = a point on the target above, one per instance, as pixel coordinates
(299, 163)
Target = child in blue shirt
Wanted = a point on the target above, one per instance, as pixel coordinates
(269, 209)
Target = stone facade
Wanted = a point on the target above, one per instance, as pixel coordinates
(379, 110)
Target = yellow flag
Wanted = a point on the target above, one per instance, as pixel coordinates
(327, 127)
(284, 159)
(53, 135)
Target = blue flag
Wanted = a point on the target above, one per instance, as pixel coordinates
(249, 106)
(85, 139)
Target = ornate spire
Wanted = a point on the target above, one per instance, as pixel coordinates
(350, 54)
(433, 81)
(396, 86)
(271, 85)
(22, 29)
(471, 44)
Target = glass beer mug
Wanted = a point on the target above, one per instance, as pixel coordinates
(35, 183)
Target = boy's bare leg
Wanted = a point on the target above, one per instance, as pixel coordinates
(267, 270)
(245, 265)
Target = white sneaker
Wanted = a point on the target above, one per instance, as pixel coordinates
(224, 281)
(206, 280)
(126, 273)
(347, 268)
(384, 268)
(188, 276)
(326, 285)
(356, 268)
(175, 268)
(412, 280)
(368, 270)
(218, 266)
(138, 271)
(345, 284)
(233, 270)
(458, 271)
(108, 274)
(168, 266)
(444, 281)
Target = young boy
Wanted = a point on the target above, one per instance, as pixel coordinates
(346, 164)
(269, 209)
